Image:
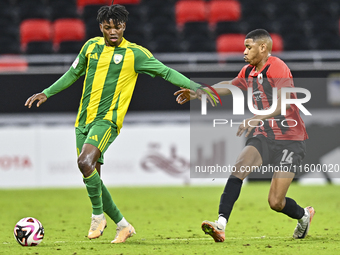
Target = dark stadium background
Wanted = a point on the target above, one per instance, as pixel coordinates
(168, 27)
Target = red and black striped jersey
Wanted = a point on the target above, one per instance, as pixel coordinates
(275, 73)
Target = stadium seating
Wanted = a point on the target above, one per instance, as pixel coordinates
(265, 9)
(92, 29)
(197, 43)
(82, 3)
(324, 24)
(34, 30)
(156, 8)
(8, 12)
(69, 47)
(9, 28)
(289, 24)
(165, 43)
(39, 47)
(229, 27)
(278, 44)
(156, 21)
(68, 30)
(63, 9)
(135, 32)
(220, 10)
(324, 8)
(328, 42)
(187, 10)
(255, 22)
(136, 12)
(295, 42)
(90, 12)
(33, 9)
(9, 46)
(235, 43)
(196, 28)
(161, 26)
(4, 3)
(230, 43)
(123, 2)
(156, 30)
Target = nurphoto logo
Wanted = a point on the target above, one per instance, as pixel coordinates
(238, 104)
(238, 100)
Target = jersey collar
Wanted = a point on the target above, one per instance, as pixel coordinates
(123, 43)
(253, 71)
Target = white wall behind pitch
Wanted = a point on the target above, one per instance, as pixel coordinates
(142, 155)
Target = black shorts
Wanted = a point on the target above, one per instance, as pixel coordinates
(279, 152)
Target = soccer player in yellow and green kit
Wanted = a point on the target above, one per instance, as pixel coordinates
(111, 65)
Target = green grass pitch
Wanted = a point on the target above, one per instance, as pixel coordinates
(167, 221)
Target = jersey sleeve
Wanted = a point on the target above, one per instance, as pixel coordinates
(79, 65)
(76, 70)
(146, 63)
(280, 75)
(240, 81)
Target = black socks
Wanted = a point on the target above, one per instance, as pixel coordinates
(292, 209)
(230, 195)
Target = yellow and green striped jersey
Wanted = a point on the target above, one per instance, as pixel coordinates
(110, 78)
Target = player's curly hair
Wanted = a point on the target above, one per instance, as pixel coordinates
(116, 12)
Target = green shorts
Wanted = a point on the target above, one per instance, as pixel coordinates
(99, 133)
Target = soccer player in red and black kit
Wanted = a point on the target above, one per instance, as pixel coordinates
(272, 143)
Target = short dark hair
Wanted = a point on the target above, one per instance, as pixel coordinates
(116, 12)
(258, 34)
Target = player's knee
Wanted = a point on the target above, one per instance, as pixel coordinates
(84, 165)
(276, 204)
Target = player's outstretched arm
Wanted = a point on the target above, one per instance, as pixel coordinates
(41, 97)
(185, 95)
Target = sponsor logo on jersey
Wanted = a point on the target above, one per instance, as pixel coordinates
(117, 58)
(258, 95)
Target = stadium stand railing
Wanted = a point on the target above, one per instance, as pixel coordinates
(195, 62)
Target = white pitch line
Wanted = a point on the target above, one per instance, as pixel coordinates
(179, 239)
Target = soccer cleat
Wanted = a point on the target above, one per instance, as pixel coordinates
(124, 233)
(98, 224)
(214, 229)
(303, 224)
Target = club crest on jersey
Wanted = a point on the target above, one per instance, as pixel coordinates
(260, 78)
(117, 58)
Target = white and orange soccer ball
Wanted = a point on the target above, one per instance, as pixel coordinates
(29, 232)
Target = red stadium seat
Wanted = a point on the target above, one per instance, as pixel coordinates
(82, 3)
(224, 11)
(190, 10)
(34, 30)
(126, 2)
(277, 42)
(68, 30)
(230, 43)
